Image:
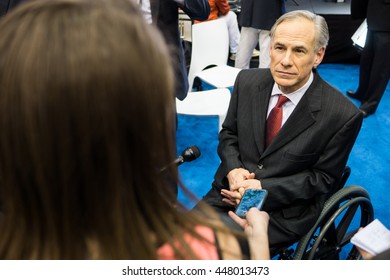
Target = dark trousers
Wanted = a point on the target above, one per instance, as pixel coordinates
(6, 5)
(374, 70)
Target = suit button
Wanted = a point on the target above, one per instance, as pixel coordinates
(260, 166)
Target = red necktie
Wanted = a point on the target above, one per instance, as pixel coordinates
(274, 121)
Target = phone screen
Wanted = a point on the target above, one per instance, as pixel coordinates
(251, 198)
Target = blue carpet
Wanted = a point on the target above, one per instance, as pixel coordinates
(369, 159)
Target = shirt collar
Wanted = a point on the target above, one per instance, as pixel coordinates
(295, 96)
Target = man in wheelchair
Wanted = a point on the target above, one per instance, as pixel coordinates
(301, 164)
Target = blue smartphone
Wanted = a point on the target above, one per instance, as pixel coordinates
(251, 198)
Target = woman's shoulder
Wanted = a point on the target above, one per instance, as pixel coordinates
(203, 247)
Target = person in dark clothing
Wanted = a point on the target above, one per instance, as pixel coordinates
(256, 19)
(304, 162)
(6, 5)
(375, 58)
(165, 15)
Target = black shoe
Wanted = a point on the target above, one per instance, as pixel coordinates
(352, 94)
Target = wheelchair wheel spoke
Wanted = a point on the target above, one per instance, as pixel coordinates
(347, 237)
(345, 222)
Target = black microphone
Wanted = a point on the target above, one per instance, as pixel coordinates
(189, 154)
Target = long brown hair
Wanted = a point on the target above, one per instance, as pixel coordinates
(86, 121)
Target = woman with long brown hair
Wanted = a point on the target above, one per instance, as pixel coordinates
(86, 121)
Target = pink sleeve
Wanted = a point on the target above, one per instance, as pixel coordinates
(204, 250)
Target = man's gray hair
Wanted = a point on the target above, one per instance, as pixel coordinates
(320, 25)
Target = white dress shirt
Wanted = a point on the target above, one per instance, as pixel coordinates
(293, 97)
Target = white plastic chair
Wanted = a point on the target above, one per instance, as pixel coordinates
(210, 47)
(213, 102)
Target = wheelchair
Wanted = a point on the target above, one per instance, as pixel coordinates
(348, 209)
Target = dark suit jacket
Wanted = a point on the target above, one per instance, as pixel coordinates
(6, 5)
(376, 11)
(165, 17)
(306, 159)
(260, 14)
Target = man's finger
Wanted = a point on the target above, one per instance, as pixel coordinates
(228, 201)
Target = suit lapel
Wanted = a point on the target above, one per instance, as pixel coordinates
(260, 102)
(301, 118)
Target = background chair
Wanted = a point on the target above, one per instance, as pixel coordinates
(213, 102)
(209, 55)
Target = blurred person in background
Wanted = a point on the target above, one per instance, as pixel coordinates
(165, 15)
(375, 58)
(6, 5)
(256, 19)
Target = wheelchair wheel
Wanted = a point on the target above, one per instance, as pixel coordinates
(343, 214)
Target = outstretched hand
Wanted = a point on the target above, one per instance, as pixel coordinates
(255, 226)
(255, 222)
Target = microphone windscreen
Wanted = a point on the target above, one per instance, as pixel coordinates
(190, 153)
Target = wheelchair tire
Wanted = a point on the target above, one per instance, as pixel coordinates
(353, 197)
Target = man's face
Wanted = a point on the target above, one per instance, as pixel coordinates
(293, 55)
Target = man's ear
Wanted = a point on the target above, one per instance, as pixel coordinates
(319, 57)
